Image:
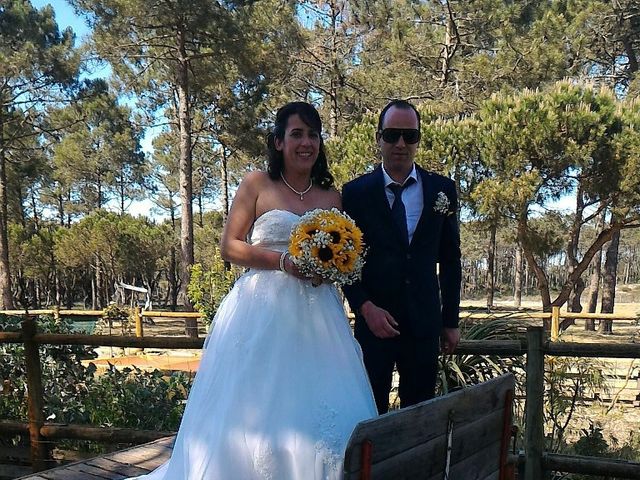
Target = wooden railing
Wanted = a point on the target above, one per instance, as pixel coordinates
(553, 317)
(136, 313)
(536, 346)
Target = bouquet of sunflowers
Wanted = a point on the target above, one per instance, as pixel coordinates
(328, 244)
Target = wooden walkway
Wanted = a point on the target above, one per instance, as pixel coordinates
(115, 466)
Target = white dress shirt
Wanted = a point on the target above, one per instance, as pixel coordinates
(412, 198)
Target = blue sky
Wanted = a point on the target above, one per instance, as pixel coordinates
(65, 16)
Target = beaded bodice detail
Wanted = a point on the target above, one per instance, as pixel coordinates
(272, 229)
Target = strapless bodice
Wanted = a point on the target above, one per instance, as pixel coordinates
(272, 229)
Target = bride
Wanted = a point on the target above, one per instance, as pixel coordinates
(281, 383)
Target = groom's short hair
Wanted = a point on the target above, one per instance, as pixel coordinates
(402, 104)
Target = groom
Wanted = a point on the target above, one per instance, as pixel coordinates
(407, 302)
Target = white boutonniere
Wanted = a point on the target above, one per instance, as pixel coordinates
(442, 205)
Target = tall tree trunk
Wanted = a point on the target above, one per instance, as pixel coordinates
(335, 81)
(34, 206)
(98, 290)
(609, 282)
(57, 287)
(186, 182)
(60, 210)
(94, 299)
(122, 196)
(69, 203)
(224, 171)
(200, 210)
(541, 276)
(173, 280)
(594, 282)
(225, 193)
(627, 273)
(594, 290)
(5, 273)
(451, 44)
(491, 264)
(574, 304)
(517, 278)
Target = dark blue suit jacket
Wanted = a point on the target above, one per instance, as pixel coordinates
(404, 279)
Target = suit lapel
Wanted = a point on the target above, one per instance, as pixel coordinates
(428, 197)
(381, 203)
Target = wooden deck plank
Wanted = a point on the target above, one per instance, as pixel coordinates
(149, 456)
(65, 474)
(127, 463)
(117, 467)
(95, 472)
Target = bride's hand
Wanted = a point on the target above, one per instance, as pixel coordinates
(292, 269)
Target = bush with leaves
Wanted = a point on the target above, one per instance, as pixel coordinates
(462, 370)
(114, 314)
(122, 398)
(592, 443)
(74, 393)
(63, 375)
(207, 288)
(568, 381)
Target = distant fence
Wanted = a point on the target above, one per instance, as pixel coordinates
(553, 317)
(136, 313)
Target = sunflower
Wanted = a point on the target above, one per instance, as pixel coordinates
(329, 244)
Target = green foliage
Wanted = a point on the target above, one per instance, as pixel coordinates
(115, 313)
(207, 288)
(461, 370)
(355, 152)
(569, 380)
(122, 398)
(591, 442)
(119, 247)
(98, 157)
(63, 375)
(75, 393)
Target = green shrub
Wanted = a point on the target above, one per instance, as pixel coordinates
(207, 288)
(75, 393)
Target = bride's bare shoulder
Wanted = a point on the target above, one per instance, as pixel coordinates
(256, 178)
(255, 181)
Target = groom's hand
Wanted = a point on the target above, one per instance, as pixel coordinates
(379, 321)
(449, 340)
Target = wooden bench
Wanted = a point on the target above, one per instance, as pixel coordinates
(460, 436)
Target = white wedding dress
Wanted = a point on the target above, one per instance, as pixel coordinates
(281, 383)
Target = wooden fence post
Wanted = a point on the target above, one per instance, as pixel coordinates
(534, 405)
(137, 316)
(555, 323)
(35, 402)
(56, 313)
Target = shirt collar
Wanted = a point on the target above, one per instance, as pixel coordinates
(388, 180)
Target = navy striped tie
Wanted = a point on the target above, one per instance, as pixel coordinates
(398, 212)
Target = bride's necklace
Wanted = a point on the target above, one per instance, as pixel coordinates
(302, 193)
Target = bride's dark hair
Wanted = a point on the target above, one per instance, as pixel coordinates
(309, 115)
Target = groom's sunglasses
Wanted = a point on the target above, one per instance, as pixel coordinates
(392, 135)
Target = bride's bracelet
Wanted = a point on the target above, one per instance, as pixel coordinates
(283, 257)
